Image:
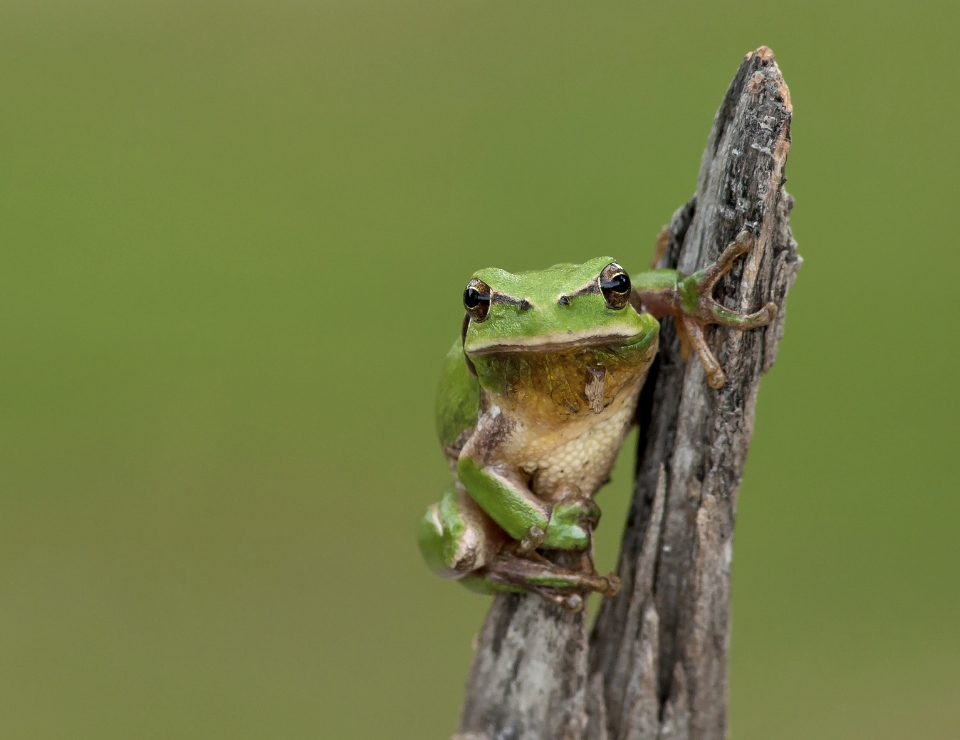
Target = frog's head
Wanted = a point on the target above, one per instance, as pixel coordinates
(563, 308)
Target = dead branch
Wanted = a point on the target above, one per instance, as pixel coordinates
(655, 665)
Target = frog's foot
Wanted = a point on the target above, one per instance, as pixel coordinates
(700, 309)
(555, 584)
(702, 282)
(572, 521)
(456, 536)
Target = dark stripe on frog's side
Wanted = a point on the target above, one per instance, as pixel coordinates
(463, 338)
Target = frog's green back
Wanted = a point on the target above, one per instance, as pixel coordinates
(458, 397)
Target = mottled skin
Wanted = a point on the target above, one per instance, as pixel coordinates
(534, 401)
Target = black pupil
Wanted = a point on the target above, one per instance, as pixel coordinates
(618, 283)
(473, 297)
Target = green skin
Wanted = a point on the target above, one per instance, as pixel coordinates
(534, 402)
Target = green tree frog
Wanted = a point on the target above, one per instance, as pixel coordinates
(535, 399)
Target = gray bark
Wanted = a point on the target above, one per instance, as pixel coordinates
(655, 666)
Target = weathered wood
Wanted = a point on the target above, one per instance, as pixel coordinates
(657, 661)
(513, 691)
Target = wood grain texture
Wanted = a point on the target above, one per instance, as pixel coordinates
(655, 666)
(515, 689)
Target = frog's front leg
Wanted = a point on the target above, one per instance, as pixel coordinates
(535, 525)
(503, 493)
(690, 300)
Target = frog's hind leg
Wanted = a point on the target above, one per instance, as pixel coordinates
(457, 537)
(459, 540)
(555, 584)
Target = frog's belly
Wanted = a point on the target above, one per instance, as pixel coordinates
(557, 460)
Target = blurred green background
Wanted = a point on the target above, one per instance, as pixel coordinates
(233, 238)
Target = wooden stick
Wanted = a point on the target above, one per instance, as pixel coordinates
(656, 663)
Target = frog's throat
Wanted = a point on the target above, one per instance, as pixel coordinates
(557, 342)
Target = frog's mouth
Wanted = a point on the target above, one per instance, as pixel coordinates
(562, 342)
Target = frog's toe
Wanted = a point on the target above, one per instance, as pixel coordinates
(744, 242)
(743, 321)
(613, 585)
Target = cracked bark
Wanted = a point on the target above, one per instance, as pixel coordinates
(655, 666)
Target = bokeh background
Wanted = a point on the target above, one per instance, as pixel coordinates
(233, 238)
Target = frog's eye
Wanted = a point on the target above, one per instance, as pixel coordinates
(476, 299)
(615, 286)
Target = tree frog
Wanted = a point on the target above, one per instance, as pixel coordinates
(535, 399)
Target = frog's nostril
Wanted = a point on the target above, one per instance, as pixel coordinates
(563, 300)
(525, 304)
